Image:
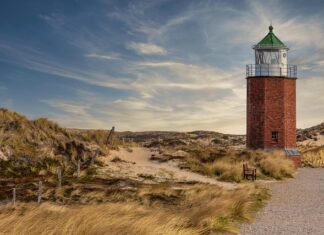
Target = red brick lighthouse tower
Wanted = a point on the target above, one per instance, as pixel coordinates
(271, 99)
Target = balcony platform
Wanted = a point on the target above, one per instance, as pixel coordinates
(271, 70)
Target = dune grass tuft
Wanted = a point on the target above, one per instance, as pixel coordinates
(277, 166)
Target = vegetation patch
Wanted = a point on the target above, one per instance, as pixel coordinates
(226, 165)
(197, 209)
(313, 157)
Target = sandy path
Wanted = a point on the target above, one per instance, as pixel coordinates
(296, 207)
(138, 163)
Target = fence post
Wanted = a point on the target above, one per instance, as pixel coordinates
(14, 196)
(39, 198)
(59, 177)
(78, 168)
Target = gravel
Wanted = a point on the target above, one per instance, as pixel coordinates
(296, 207)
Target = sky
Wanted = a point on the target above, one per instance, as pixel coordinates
(152, 65)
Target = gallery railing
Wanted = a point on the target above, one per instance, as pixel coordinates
(264, 70)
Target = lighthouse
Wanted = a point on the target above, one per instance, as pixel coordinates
(271, 99)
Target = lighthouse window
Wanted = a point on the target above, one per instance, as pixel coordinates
(274, 135)
(267, 57)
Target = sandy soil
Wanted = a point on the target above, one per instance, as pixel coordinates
(137, 164)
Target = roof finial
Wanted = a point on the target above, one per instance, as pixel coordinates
(270, 28)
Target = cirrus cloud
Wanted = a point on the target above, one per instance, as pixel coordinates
(146, 48)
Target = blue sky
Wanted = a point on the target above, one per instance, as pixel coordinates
(151, 65)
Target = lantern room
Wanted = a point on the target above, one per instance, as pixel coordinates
(271, 58)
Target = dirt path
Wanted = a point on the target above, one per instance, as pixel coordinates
(296, 207)
(137, 163)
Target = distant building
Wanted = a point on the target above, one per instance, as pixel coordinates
(271, 99)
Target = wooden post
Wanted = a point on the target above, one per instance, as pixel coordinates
(110, 136)
(14, 196)
(59, 177)
(78, 168)
(39, 198)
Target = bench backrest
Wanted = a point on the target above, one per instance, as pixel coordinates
(245, 167)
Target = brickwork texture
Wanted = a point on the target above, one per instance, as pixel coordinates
(271, 107)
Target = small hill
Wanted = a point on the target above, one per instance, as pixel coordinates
(41, 142)
(310, 133)
(21, 137)
(172, 139)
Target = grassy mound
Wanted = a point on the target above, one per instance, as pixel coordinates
(30, 146)
(227, 164)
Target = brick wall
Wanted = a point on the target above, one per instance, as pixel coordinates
(271, 107)
(296, 160)
(255, 112)
(290, 112)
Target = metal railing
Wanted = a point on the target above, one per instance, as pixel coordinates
(264, 70)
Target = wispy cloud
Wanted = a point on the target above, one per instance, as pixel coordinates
(103, 57)
(38, 61)
(151, 114)
(68, 106)
(147, 48)
(171, 74)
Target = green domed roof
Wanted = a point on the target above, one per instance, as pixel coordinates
(270, 41)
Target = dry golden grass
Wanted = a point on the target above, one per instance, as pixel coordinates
(276, 165)
(226, 171)
(38, 147)
(313, 157)
(227, 164)
(161, 209)
(95, 219)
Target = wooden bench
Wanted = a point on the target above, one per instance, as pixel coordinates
(249, 172)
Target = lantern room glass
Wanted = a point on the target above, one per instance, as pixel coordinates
(267, 57)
